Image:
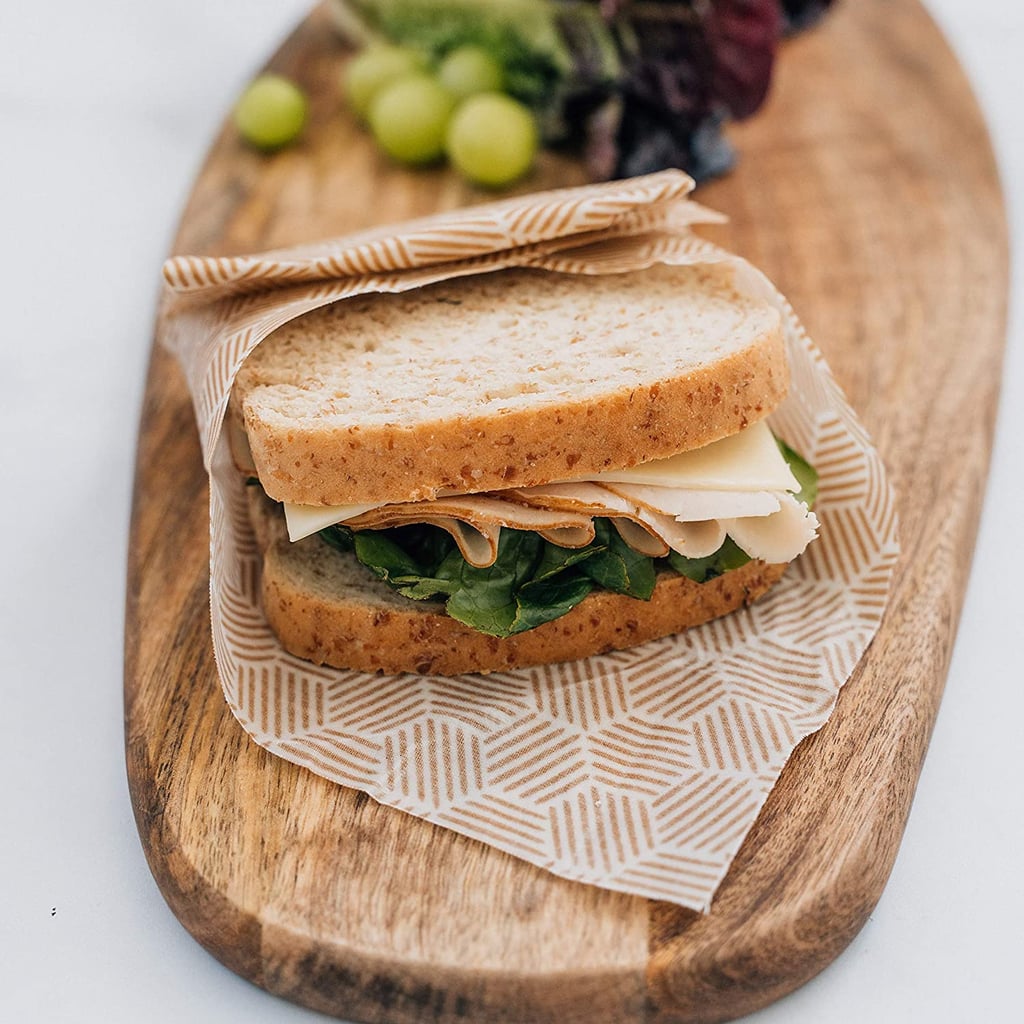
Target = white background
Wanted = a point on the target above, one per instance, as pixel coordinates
(106, 110)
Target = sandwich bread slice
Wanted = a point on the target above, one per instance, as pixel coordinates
(517, 468)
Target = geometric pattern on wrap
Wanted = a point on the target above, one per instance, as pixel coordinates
(487, 229)
(639, 771)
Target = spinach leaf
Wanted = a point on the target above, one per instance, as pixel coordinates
(806, 475)
(542, 601)
(554, 559)
(616, 566)
(429, 545)
(527, 585)
(395, 566)
(486, 598)
(531, 582)
(339, 537)
(729, 556)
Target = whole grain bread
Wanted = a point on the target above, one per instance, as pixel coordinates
(513, 378)
(326, 607)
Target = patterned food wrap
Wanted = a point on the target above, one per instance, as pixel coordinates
(641, 770)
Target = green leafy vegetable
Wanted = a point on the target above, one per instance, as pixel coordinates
(530, 582)
(729, 556)
(396, 567)
(486, 598)
(618, 567)
(339, 537)
(509, 596)
(806, 475)
(520, 34)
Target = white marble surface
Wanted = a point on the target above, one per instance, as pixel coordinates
(106, 110)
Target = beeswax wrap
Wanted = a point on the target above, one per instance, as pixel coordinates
(639, 771)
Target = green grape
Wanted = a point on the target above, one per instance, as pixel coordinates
(469, 70)
(271, 112)
(409, 117)
(374, 68)
(492, 139)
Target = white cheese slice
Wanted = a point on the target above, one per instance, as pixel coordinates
(692, 506)
(305, 520)
(747, 461)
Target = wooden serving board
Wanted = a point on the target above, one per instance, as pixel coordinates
(866, 189)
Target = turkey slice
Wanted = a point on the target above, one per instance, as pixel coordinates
(640, 529)
(639, 538)
(776, 538)
(478, 544)
(475, 523)
(773, 527)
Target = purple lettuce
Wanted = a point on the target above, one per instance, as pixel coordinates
(687, 67)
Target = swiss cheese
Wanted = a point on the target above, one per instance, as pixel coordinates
(747, 461)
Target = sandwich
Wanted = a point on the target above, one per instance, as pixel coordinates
(520, 467)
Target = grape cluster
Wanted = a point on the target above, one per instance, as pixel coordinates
(418, 114)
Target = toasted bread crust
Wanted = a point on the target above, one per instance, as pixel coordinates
(527, 447)
(336, 459)
(351, 620)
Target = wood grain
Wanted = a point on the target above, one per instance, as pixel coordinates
(867, 191)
